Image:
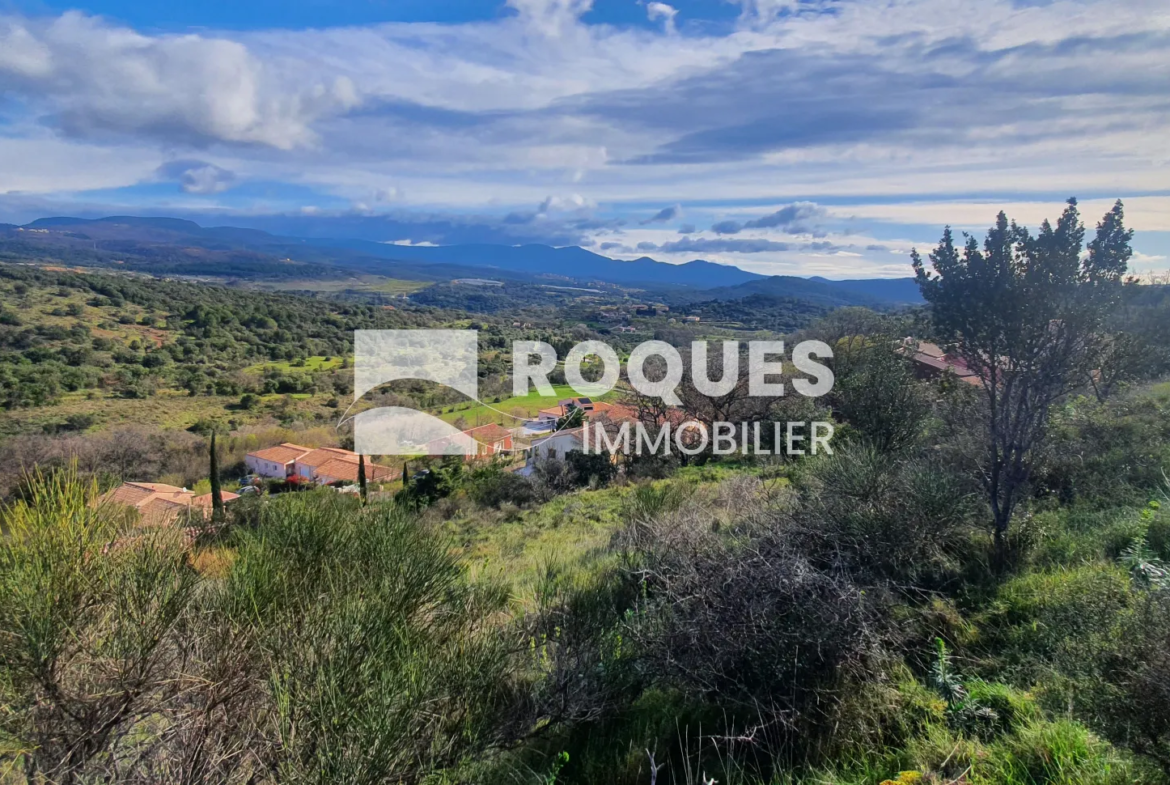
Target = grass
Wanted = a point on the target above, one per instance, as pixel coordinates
(524, 406)
(168, 409)
(566, 539)
(310, 365)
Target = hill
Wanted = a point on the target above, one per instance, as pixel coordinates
(823, 293)
(184, 247)
(895, 290)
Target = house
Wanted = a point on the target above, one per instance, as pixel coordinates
(932, 361)
(158, 503)
(691, 319)
(276, 461)
(328, 465)
(557, 445)
(340, 470)
(491, 439)
(563, 407)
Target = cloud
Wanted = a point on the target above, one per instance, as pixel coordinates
(727, 227)
(790, 218)
(390, 194)
(550, 17)
(687, 229)
(568, 203)
(664, 215)
(198, 177)
(704, 245)
(95, 80)
(891, 106)
(656, 11)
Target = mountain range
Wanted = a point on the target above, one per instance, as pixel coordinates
(173, 246)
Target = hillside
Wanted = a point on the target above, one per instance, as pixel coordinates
(818, 292)
(184, 247)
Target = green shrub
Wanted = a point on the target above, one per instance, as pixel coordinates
(379, 666)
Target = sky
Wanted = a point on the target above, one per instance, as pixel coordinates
(815, 137)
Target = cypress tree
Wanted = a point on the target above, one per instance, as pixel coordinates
(362, 478)
(216, 491)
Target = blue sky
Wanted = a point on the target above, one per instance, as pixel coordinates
(823, 137)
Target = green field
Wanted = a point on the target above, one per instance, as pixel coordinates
(525, 406)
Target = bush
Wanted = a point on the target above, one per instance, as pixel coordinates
(379, 665)
(492, 486)
(91, 639)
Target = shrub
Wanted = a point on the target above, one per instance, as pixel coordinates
(492, 486)
(380, 664)
(90, 631)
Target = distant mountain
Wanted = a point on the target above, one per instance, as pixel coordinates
(894, 290)
(572, 262)
(788, 287)
(126, 233)
(174, 246)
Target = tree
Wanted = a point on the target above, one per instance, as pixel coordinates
(1121, 358)
(574, 418)
(877, 394)
(216, 491)
(1023, 313)
(362, 478)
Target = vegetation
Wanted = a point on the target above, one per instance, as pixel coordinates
(1023, 313)
(856, 618)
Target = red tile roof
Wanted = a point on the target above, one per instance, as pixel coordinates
(324, 455)
(282, 453)
(159, 503)
(489, 434)
(205, 499)
(347, 471)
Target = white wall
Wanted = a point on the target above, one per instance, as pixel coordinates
(264, 468)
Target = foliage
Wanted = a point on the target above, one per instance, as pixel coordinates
(91, 641)
(1024, 311)
(877, 394)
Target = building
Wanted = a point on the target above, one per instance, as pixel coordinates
(158, 503)
(491, 439)
(932, 361)
(328, 465)
(339, 470)
(564, 407)
(276, 461)
(556, 445)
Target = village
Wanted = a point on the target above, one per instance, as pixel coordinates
(552, 434)
(291, 466)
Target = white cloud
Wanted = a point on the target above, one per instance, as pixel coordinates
(900, 99)
(198, 177)
(98, 80)
(566, 203)
(656, 11)
(550, 17)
